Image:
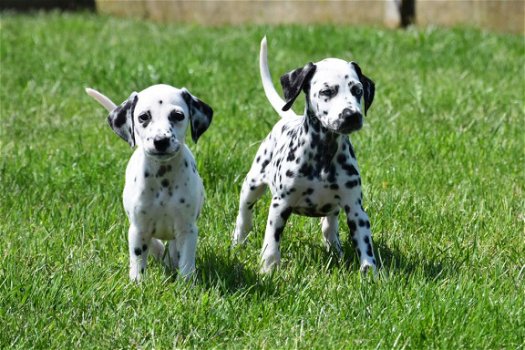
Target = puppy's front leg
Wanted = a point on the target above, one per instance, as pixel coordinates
(359, 226)
(186, 249)
(138, 253)
(277, 217)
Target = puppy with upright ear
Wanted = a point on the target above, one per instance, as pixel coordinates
(201, 114)
(120, 119)
(296, 81)
(307, 161)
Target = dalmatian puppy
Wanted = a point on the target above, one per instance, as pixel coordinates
(308, 161)
(163, 194)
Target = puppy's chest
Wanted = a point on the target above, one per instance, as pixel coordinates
(314, 181)
(164, 192)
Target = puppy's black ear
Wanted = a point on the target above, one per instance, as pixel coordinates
(369, 88)
(121, 119)
(201, 114)
(296, 81)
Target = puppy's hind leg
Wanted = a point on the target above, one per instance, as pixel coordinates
(172, 256)
(251, 191)
(157, 249)
(330, 228)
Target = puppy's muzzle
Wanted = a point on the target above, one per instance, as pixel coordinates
(350, 121)
(161, 144)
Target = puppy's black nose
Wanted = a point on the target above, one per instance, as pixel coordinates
(161, 143)
(350, 115)
(351, 120)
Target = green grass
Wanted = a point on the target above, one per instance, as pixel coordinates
(441, 154)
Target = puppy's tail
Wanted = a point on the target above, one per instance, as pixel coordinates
(100, 98)
(275, 100)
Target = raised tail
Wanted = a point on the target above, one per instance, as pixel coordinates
(103, 100)
(275, 100)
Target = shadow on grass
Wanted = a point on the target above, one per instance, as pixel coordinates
(393, 261)
(228, 274)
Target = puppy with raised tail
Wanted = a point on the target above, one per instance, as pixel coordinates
(163, 194)
(308, 161)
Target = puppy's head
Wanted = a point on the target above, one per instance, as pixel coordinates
(334, 89)
(156, 119)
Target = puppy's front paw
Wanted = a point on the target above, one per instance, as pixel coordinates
(240, 233)
(135, 275)
(270, 263)
(367, 266)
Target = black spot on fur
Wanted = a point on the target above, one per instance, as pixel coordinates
(278, 233)
(334, 186)
(352, 154)
(264, 164)
(182, 200)
(350, 169)
(146, 174)
(369, 250)
(144, 247)
(352, 226)
(289, 173)
(165, 183)
(286, 213)
(308, 191)
(162, 170)
(326, 208)
(275, 205)
(307, 170)
(138, 251)
(351, 183)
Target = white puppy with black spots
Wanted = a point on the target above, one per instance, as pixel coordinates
(308, 161)
(163, 194)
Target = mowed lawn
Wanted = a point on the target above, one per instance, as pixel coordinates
(442, 162)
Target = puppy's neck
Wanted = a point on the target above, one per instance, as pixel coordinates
(324, 141)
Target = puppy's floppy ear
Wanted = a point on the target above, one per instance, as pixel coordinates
(294, 82)
(369, 88)
(121, 119)
(201, 114)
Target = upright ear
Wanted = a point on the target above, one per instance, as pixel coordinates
(201, 114)
(369, 88)
(121, 119)
(294, 82)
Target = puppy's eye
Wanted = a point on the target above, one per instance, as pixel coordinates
(329, 92)
(356, 90)
(176, 116)
(144, 117)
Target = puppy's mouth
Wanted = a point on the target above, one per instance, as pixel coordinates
(166, 155)
(349, 125)
(347, 129)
